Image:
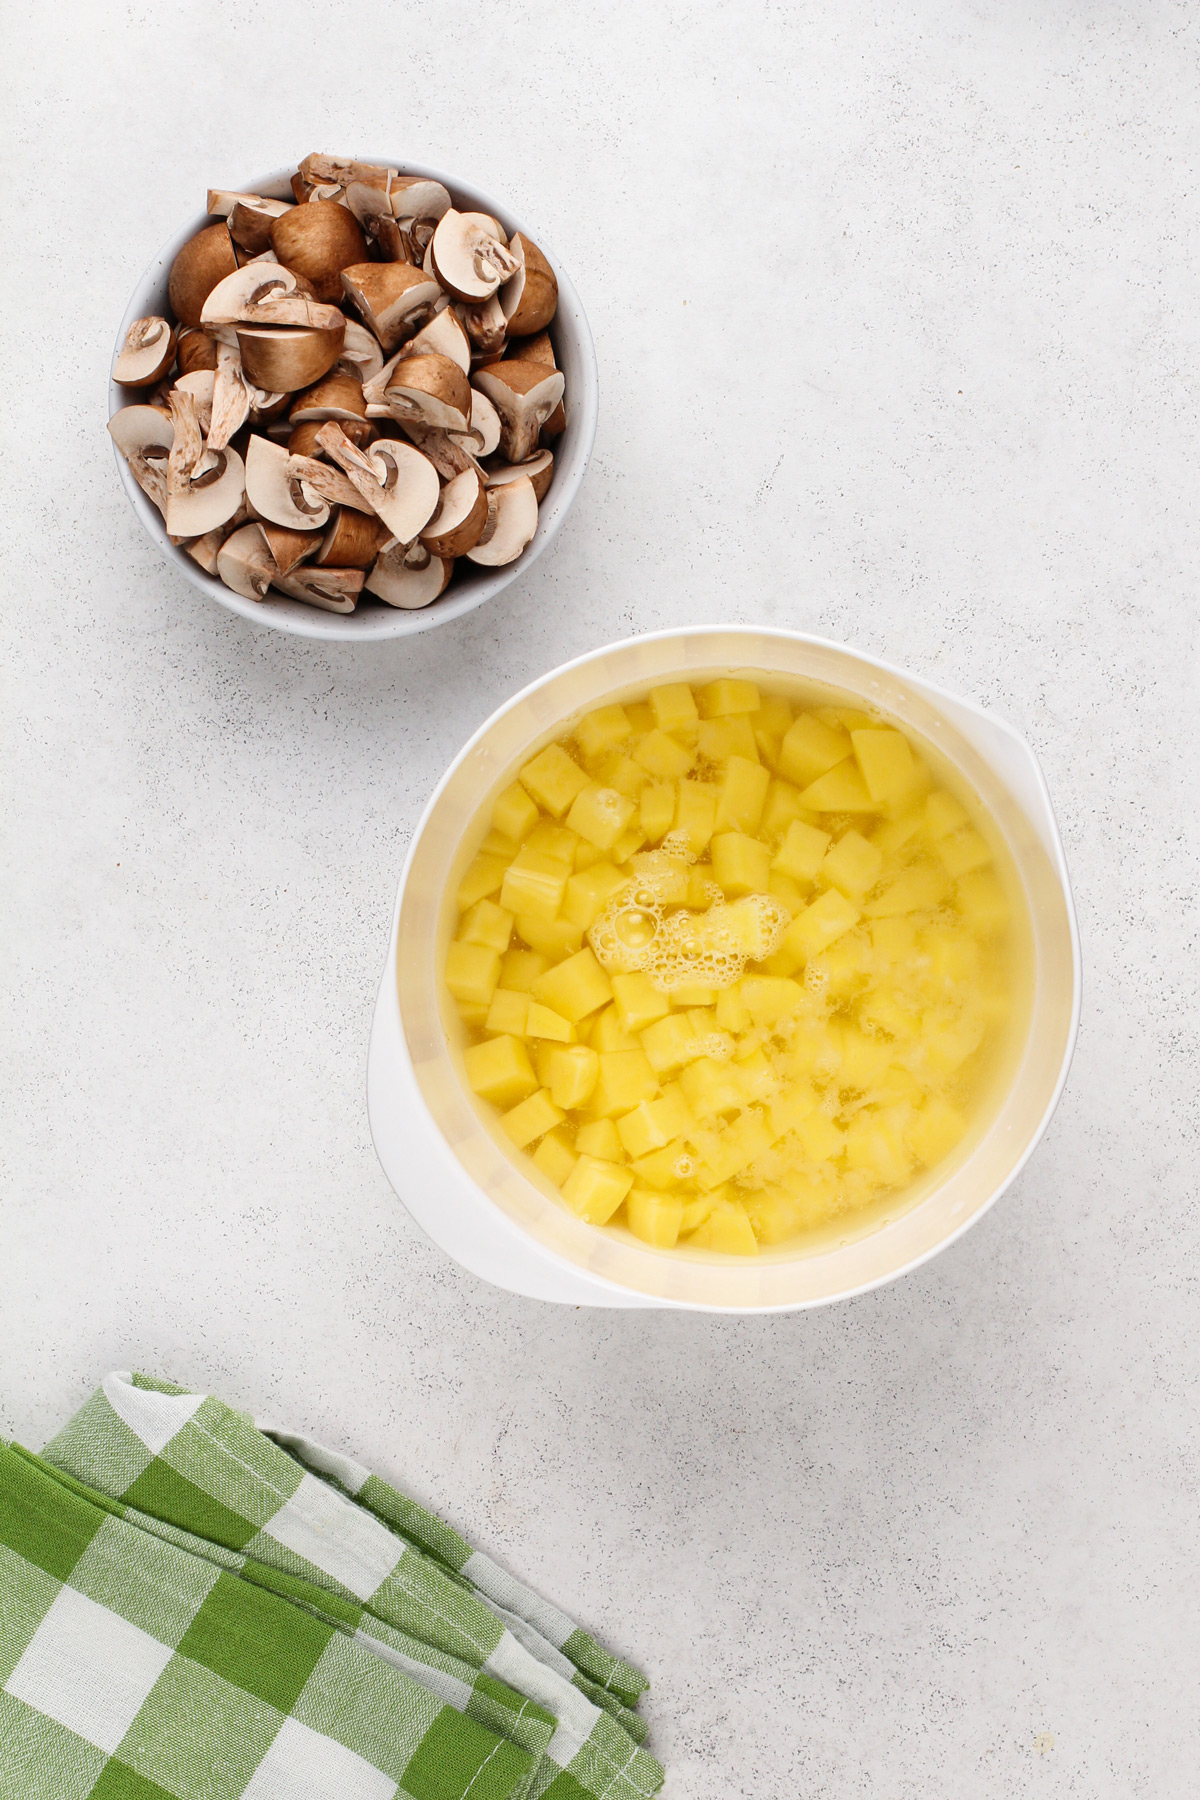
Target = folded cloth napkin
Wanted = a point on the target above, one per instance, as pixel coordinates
(196, 1608)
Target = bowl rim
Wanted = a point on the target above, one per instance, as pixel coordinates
(598, 1288)
(293, 617)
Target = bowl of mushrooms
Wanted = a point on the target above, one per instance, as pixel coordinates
(353, 400)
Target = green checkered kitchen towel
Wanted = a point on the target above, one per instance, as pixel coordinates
(196, 1608)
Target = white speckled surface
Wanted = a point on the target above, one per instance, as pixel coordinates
(896, 316)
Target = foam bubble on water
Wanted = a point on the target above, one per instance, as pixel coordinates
(677, 948)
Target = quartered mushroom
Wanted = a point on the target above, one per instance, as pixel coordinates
(146, 354)
(250, 217)
(429, 390)
(484, 323)
(318, 241)
(301, 440)
(394, 298)
(530, 297)
(409, 576)
(539, 349)
(144, 435)
(461, 516)
(195, 350)
(352, 540)
(443, 336)
(524, 394)
(204, 260)
(336, 396)
(334, 590)
(361, 355)
(450, 452)
(245, 563)
(417, 205)
(511, 522)
(470, 255)
(539, 469)
(485, 424)
(207, 549)
(401, 485)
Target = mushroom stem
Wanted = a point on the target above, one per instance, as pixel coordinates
(327, 482)
(231, 397)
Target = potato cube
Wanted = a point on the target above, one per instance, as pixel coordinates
(728, 1230)
(638, 1001)
(487, 923)
(810, 747)
(886, 762)
(519, 969)
(656, 813)
(673, 706)
(801, 852)
(785, 890)
(894, 834)
(696, 813)
(842, 789)
(625, 1078)
(500, 1071)
(711, 1088)
(472, 971)
(541, 1022)
(531, 1119)
(789, 1109)
(728, 695)
(769, 998)
(571, 1075)
(599, 1138)
(482, 878)
(735, 1149)
(473, 1017)
(664, 758)
(982, 902)
(819, 924)
(655, 1218)
(719, 739)
(554, 840)
(641, 714)
(496, 844)
(863, 1059)
(603, 730)
(732, 1012)
(894, 940)
(553, 778)
(669, 1042)
(819, 1137)
(963, 850)
(741, 795)
(554, 1158)
(595, 1189)
(558, 939)
(600, 814)
(782, 806)
(587, 893)
(575, 988)
(534, 884)
(665, 1168)
(608, 1033)
(872, 1145)
(514, 813)
(622, 773)
(943, 814)
(508, 1012)
(852, 865)
(741, 864)
(936, 1129)
(918, 889)
(640, 1132)
(774, 716)
(627, 844)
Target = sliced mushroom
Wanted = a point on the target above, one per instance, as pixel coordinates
(281, 359)
(245, 563)
(196, 350)
(335, 397)
(530, 297)
(204, 260)
(409, 576)
(539, 469)
(471, 255)
(459, 522)
(485, 423)
(264, 294)
(204, 489)
(401, 484)
(484, 323)
(323, 481)
(524, 394)
(277, 492)
(334, 590)
(450, 452)
(429, 390)
(249, 217)
(205, 550)
(318, 241)
(230, 398)
(443, 336)
(512, 521)
(146, 354)
(352, 540)
(361, 355)
(288, 547)
(144, 435)
(417, 204)
(200, 386)
(394, 298)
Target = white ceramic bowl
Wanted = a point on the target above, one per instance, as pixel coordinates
(576, 357)
(501, 1219)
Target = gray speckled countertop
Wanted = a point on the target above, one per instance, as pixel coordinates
(896, 316)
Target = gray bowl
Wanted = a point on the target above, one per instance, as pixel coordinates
(576, 356)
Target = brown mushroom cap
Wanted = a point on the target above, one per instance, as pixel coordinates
(196, 350)
(204, 260)
(318, 241)
(539, 470)
(352, 540)
(394, 298)
(530, 297)
(429, 390)
(334, 590)
(335, 396)
(460, 520)
(289, 547)
(524, 394)
(250, 220)
(282, 359)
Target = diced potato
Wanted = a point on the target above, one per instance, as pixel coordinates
(727, 1229)
(622, 773)
(496, 844)
(696, 1211)
(534, 884)
(638, 1001)
(769, 998)
(886, 762)
(608, 1033)
(841, 790)
(943, 814)
(587, 893)
(487, 923)
(594, 1189)
(571, 1075)
(936, 1130)
(669, 1042)
(774, 716)
(472, 971)
(982, 902)
(894, 834)
(655, 1218)
(640, 1132)
(712, 1088)
(554, 840)
(519, 969)
(741, 864)
(801, 853)
(531, 1119)
(741, 795)
(500, 1071)
(682, 998)
(625, 1078)
(553, 778)
(728, 695)
(914, 890)
(863, 1059)
(872, 1144)
(541, 1022)
(628, 844)
(732, 1012)
(819, 924)
(514, 813)
(963, 850)
(599, 1137)
(508, 1012)
(786, 891)
(673, 706)
(656, 813)
(789, 1109)
(558, 939)
(575, 988)
(472, 1016)
(663, 758)
(483, 877)
(696, 813)
(554, 1158)
(603, 730)
(852, 865)
(663, 1168)
(894, 940)
(782, 806)
(819, 1137)
(810, 748)
(600, 814)
(719, 739)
